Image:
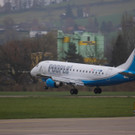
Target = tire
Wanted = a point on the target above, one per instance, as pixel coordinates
(72, 91)
(99, 90)
(96, 90)
(75, 91)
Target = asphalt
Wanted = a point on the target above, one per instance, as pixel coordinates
(87, 126)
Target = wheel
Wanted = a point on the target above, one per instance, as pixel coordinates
(73, 91)
(97, 90)
(45, 87)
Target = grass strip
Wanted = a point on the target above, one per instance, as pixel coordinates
(65, 107)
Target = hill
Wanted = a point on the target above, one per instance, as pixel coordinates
(111, 10)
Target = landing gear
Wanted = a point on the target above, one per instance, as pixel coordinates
(74, 91)
(45, 87)
(97, 90)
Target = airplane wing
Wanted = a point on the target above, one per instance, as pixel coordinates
(128, 74)
(62, 79)
(68, 81)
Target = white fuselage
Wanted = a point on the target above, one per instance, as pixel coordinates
(75, 72)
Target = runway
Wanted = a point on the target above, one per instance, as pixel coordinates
(87, 126)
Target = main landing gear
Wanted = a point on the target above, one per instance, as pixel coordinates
(74, 91)
(97, 90)
(45, 87)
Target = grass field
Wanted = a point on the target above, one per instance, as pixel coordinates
(62, 105)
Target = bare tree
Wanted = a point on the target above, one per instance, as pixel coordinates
(125, 41)
(128, 31)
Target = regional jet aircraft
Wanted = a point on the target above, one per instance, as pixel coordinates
(56, 73)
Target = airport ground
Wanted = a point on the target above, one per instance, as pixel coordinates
(81, 126)
(59, 113)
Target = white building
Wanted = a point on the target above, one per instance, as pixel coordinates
(37, 33)
(28, 3)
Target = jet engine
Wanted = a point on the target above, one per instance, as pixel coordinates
(52, 84)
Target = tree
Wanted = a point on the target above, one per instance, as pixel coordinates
(79, 12)
(92, 25)
(125, 41)
(128, 31)
(72, 56)
(119, 54)
(69, 13)
(17, 54)
(107, 27)
(103, 26)
(35, 4)
(7, 7)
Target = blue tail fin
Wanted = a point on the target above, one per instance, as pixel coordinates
(130, 63)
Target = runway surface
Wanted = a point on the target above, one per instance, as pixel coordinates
(88, 126)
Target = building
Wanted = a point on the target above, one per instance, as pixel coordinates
(25, 4)
(33, 34)
(40, 56)
(89, 45)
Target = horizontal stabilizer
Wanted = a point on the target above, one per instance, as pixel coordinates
(128, 74)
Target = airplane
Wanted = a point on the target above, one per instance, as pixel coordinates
(56, 73)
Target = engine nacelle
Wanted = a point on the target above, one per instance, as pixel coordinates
(52, 84)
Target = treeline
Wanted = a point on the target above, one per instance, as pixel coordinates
(125, 42)
(16, 61)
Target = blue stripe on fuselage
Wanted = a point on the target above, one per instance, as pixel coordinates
(117, 79)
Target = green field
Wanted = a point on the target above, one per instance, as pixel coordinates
(62, 105)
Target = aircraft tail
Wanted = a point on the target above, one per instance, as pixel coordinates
(129, 65)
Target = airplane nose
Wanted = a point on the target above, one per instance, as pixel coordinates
(32, 72)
